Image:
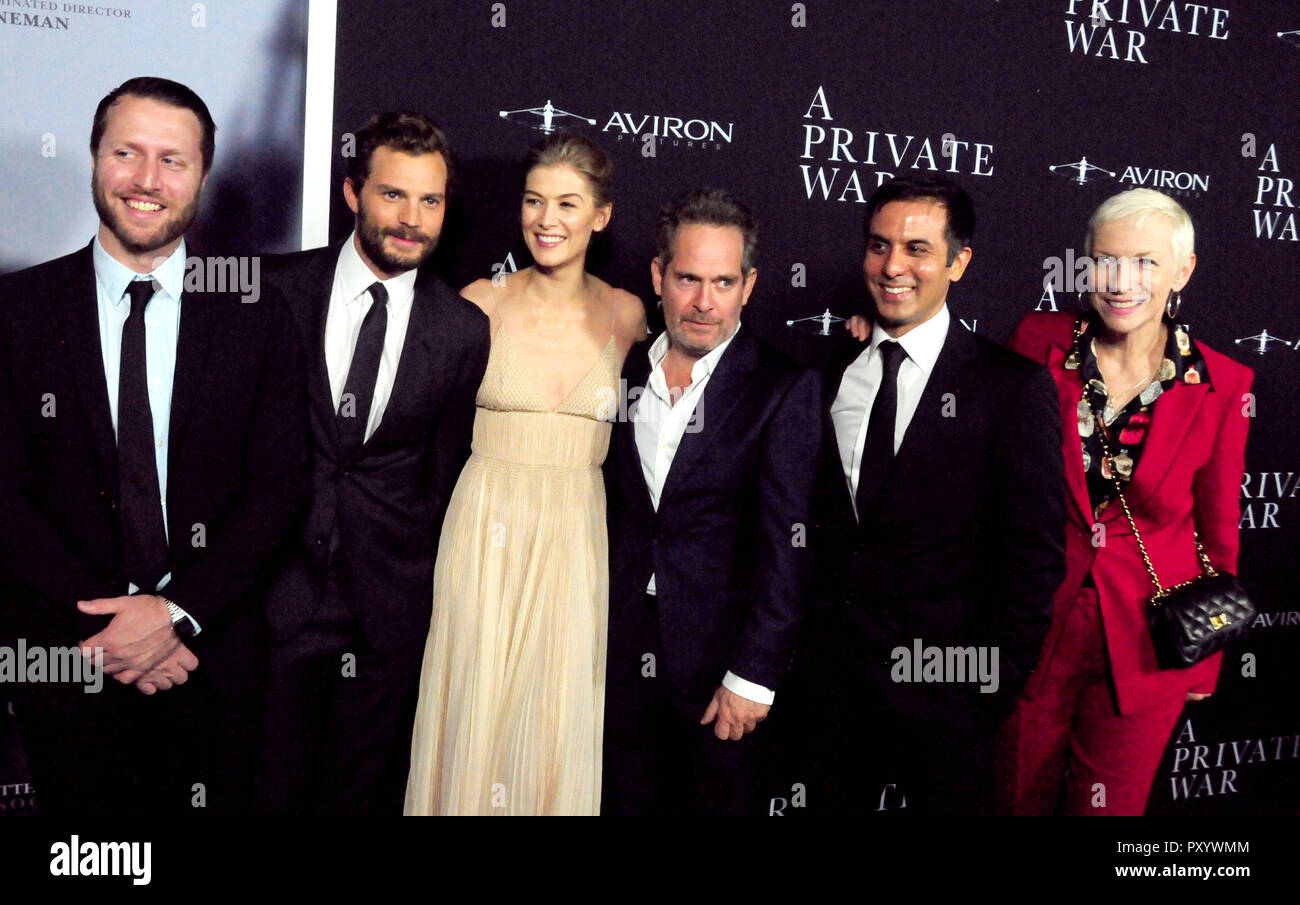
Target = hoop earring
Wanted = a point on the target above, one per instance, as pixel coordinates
(1173, 304)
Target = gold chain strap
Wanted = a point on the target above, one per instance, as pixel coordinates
(1102, 434)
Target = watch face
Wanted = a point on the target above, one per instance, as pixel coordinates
(181, 624)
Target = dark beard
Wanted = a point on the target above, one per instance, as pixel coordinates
(371, 237)
(173, 229)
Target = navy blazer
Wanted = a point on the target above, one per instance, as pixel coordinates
(728, 545)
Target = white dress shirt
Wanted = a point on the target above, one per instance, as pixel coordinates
(851, 410)
(350, 299)
(659, 425)
(162, 327)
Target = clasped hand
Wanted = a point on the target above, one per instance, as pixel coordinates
(140, 648)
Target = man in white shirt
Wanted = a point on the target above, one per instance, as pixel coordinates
(941, 525)
(145, 501)
(395, 358)
(710, 482)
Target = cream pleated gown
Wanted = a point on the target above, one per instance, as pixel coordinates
(512, 689)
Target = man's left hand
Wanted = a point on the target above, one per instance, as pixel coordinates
(735, 715)
(139, 637)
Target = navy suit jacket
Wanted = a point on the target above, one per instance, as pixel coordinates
(728, 544)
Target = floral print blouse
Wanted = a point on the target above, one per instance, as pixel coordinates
(1126, 428)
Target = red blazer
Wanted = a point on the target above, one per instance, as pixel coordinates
(1189, 474)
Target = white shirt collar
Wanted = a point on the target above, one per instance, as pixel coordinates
(113, 275)
(922, 343)
(703, 367)
(355, 278)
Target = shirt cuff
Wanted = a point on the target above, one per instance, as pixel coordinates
(750, 691)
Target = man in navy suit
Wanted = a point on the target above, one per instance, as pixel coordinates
(710, 485)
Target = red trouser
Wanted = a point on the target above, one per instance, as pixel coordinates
(1073, 723)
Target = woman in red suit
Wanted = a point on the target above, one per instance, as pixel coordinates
(1174, 413)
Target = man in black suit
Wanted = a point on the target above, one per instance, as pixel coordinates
(395, 358)
(152, 458)
(941, 526)
(710, 485)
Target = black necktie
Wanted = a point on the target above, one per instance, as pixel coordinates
(878, 451)
(359, 388)
(144, 540)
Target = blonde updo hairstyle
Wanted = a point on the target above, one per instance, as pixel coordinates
(581, 153)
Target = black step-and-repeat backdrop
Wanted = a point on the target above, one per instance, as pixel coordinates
(1040, 108)
(246, 60)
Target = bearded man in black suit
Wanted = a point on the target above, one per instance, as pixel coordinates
(152, 460)
(394, 358)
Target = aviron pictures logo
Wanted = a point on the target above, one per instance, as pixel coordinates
(1082, 171)
(672, 130)
(548, 114)
(669, 130)
(1171, 182)
(818, 323)
(1262, 339)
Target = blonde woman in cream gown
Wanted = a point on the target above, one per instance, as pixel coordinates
(511, 702)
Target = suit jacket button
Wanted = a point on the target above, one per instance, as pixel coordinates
(320, 541)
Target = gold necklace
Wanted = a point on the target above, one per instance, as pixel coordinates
(1110, 400)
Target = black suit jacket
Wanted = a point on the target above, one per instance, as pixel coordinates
(728, 544)
(385, 501)
(236, 468)
(963, 542)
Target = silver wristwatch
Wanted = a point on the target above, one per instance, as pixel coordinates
(181, 623)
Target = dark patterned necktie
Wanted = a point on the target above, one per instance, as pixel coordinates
(359, 387)
(144, 539)
(878, 452)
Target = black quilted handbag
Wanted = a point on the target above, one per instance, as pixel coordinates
(1195, 618)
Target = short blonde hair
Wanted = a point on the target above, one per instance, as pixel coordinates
(1140, 204)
